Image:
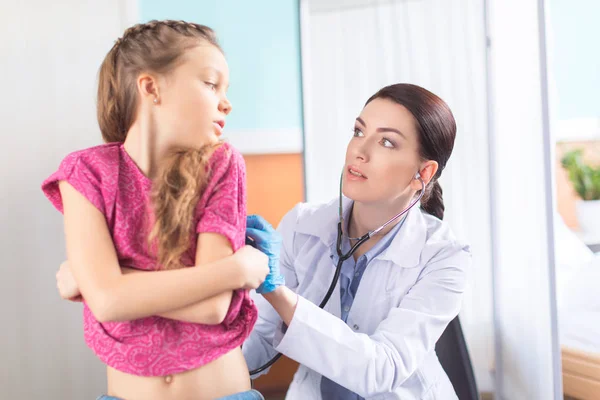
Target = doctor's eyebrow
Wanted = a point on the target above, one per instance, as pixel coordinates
(384, 129)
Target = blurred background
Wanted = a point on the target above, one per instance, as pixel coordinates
(523, 184)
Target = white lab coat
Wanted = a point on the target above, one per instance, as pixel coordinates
(406, 298)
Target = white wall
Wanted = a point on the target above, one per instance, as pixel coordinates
(573, 37)
(50, 54)
(350, 50)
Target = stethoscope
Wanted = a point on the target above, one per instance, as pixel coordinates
(343, 257)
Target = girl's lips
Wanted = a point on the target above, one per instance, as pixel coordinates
(218, 128)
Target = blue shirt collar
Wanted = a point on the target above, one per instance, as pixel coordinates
(404, 248)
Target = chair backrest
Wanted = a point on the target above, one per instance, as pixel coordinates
(453, 354)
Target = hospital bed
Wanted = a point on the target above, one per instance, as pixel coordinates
(580, 341)
(580, 373)
(578, 300)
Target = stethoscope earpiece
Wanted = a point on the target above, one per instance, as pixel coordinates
(374, 232)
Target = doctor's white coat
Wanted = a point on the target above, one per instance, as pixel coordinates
(406, 298)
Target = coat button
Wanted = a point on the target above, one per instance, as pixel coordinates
(355, 327)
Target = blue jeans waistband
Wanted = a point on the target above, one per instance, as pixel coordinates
(249, 395)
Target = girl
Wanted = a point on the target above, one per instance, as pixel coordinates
(162, 194)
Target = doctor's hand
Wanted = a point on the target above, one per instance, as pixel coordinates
(260, 234)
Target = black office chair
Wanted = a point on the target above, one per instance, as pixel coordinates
(452, 352)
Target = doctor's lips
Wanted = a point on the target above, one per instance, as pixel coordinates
(356, 172)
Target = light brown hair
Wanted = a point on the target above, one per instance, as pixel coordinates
(156, 46)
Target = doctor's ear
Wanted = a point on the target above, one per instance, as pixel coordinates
(426, 172)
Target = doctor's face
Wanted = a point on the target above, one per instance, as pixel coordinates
(383, 155)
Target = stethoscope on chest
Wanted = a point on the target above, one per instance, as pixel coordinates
(344, 256)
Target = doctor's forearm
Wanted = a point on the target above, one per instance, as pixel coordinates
(284, 301)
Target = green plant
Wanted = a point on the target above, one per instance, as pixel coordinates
(585, 178)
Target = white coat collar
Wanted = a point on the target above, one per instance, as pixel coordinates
(404, 250)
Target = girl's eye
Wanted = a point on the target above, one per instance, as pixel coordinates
(211, 85)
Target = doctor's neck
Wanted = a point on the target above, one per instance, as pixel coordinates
(366, 217)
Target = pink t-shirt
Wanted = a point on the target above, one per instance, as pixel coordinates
(113, 183)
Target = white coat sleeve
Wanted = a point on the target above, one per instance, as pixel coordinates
(380, 363)
(258, 348)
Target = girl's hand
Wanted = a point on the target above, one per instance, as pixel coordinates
(253, 267)
(65, 282)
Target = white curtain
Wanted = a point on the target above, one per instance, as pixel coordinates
(349, 51)
(527, 346)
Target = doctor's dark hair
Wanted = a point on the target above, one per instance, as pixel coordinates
(436, 129)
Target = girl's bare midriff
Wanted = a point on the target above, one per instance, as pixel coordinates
(224, 376)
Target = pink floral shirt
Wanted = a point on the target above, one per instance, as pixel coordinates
(113, 183)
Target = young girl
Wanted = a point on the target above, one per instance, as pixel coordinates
(162, 194)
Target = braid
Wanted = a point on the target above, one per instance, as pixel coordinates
(433, 201)
(189, 29)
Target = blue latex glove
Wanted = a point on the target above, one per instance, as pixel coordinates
(260, 234)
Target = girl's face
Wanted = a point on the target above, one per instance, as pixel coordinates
(193, 99)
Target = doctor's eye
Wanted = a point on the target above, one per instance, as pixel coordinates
(357, 133)
(387, 143)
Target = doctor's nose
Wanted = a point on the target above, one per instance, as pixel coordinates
(360, 152)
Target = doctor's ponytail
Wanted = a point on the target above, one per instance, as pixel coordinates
(436, 129)
(432, 201)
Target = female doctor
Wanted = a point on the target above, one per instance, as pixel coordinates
(396, 294)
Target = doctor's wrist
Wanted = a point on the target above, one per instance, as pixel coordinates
(275, 295)
(284, 301)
